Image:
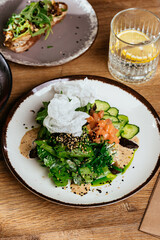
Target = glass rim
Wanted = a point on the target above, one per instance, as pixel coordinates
(135, 44)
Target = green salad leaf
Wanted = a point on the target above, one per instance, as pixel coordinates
(86, 108)
(83, 164)
(42, 113)
(34, 19)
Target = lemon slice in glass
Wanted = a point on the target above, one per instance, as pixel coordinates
(142, 53)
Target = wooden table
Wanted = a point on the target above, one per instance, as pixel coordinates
(25, 216)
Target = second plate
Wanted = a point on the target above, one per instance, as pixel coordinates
(71, 37)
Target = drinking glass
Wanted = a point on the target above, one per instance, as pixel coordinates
(134, 45)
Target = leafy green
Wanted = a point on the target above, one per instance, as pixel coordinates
(101, 158)
(83, 164)
(43, 144)
(35, 19)
(86, 108)
(77, 179)
(42, 113)
(117, 168)
(87, 174)
(43, 133)
(58, 169)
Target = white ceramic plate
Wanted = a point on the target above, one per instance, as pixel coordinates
(34, 177)
(71, 37)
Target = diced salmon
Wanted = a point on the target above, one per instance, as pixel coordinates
(101, 129)
(101, 114)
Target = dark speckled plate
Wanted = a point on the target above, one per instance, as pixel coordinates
(71, 37)
(5, 81)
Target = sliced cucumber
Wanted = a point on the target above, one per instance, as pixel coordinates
(120, 121)
(129, 131)
(113, 111)
(123, 118)
(119, 125)
(106, 114)
(112, 118)
(102, 105)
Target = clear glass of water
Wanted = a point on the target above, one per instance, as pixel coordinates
(134, 45)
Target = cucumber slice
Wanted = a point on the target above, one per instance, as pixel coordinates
(107, 114)
(112, 118)
(119, 125)
(123, 118)
(129, 131)
(113, 111)
(102, 105)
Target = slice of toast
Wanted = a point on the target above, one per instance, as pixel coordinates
(24, 42)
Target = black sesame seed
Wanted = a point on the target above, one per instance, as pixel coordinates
(100, 191)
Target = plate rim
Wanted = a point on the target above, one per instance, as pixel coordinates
(52, 64)
(74, 78)
(10, 82)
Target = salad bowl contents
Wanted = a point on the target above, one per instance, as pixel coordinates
(25, 29)
(82, 142)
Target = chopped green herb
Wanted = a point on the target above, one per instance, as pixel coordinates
(49, 46)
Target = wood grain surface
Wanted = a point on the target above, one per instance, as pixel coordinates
(23, 215)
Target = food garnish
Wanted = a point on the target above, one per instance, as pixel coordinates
(24, 29)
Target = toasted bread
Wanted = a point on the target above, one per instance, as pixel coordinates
(25, 41)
